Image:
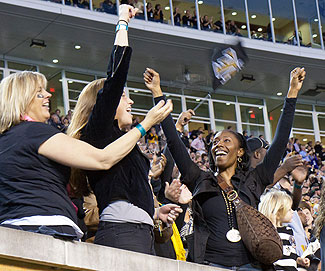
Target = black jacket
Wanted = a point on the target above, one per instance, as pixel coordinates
(249, 184)
(128, 179)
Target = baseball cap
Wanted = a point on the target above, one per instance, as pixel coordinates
(256, 143)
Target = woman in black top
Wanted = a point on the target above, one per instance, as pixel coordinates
(123, 193)
(177, 17)
(215, 239)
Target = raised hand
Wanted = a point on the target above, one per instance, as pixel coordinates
(183, 119)
(157, 114)
(126, 12)
(158, 168)
(291, 162)
(297, 77)
(152, 81)
(186, 196)
(172, 191)
(299, 174)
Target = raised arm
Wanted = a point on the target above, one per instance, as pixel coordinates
(102, 116)
(78, 154)
(186, 166)
(277, 148)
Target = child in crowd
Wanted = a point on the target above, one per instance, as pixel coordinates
(276, 206)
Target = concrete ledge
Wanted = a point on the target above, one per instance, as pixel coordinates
(27, 248)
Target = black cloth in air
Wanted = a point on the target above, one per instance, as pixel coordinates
(31, 184)
(206, 192)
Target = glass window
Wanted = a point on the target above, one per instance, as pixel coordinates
(252, 114)
(107, 6)
(2, 63)
(210, 14)
(250, 100)
(224, 111)
(177, 103)
(195, 93)
(304, 107)
(79, 76)
(141, 100)
(138, 85)
(321, 122)
(304, 138)
(74, 89)
(303, 121)
(235, 17)
(201, 111)
(54, 86)
(284, 27)
(225, 125)
(308, 23)
(195, 125)
(320, 108)
(1, 74)
(184, 12)
(223, 97)
(259, 19)
(21, 67)
(321, 4)
(253, 130)
(159, 12)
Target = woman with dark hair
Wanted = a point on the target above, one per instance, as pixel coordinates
(216, 240)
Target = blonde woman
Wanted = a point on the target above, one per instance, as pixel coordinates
(123, 193)
(319, 226)
(36, 158)
(276, 206)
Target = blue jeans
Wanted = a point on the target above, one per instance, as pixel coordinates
(245, 267)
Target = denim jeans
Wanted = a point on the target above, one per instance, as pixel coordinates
(130, 236)
(245, 267)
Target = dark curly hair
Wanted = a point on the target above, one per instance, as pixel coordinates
(245, 163)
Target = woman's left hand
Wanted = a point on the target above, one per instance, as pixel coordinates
(168, 213)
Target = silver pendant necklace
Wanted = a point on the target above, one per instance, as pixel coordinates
(233, 235)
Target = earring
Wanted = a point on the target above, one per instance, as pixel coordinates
(239, 159)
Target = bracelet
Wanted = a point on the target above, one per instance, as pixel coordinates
(297, 186)
(121, 26)
(124, 21)
(141, 129)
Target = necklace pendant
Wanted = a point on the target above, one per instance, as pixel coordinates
(233, 235)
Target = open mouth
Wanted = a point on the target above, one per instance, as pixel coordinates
(129, 110)
(47, 105)
(220, 153)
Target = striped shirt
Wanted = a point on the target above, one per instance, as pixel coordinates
(288, 260)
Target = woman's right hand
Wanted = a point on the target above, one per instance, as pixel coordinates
(297, 77)
(157, 114)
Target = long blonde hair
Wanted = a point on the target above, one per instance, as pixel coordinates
(17, 91)
(274, 205)
(320, 220)
(85, 104)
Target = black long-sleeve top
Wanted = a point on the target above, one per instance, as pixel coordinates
(128, 179)
(209, 210)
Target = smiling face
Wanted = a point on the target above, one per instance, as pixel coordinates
(123, 112)
(225, 150)
(39, 108)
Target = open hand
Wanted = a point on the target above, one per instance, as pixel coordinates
(158, 168)
(157, 114)
(186, 196)
(172, 191)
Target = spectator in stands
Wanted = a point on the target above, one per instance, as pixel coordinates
(85, 4)
(185, 139)
(158, 14)
(153, 137)
(198, 144)
(55, 122)
(218, 26)
(35, 169)
(123, 193)
(194, 20)
(150, 12)
(139, 5)
(231, 162)
(177, 17)
(187, 19)
(276, 206)
(296, 145)
(108, 7)
(206, 23)
(320, 230)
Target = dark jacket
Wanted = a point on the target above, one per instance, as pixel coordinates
(249, 184)
(128, 179)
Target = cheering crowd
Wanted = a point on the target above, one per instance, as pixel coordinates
(149, 186)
